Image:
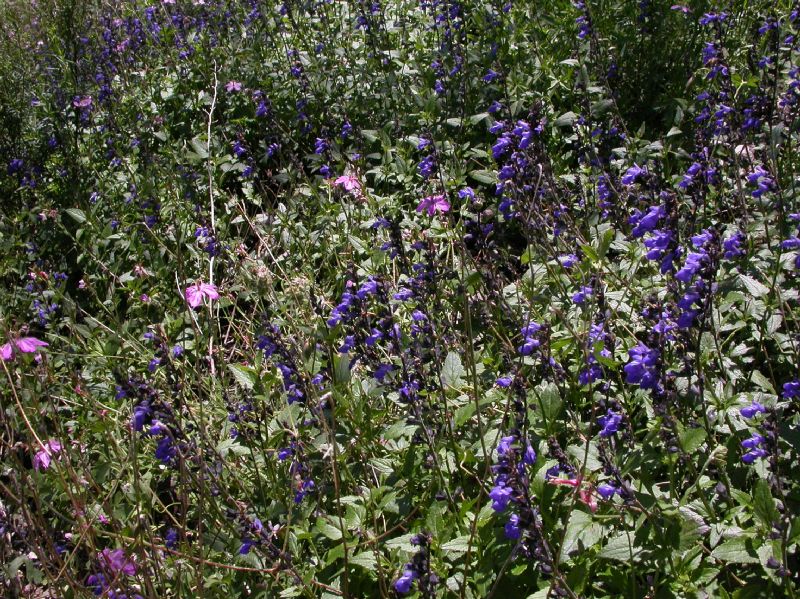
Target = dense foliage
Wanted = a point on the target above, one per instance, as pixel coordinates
(432, 298)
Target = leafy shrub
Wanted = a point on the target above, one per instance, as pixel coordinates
(399, 298)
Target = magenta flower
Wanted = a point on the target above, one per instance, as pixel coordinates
(350, 183)
(27, 345)
(117, 562)
(434, 204)
(41, 461)
(195, 293)
(233, 86)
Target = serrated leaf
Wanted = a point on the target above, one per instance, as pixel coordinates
(456, 546)
(365, 559)
(621, 548)
(755, 288)
(548, 398)
(736, 551)
(246, 377)
(581, 533)
(691, 438)
(764, 505)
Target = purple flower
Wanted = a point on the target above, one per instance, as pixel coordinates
(733, 246)
(753, 409)
(500, 496)
(568, 260)
(490, 76)
(694, 262)
(467, 193)
(610, 423)
(501, 147)
(233, 86)
(504, 382)
(791, 389)
(512, 528)
(633, 174)
(606, 491)
(117, 562)
(382, 371)
(171, 538)
(427, 166)
(82, 102)
(581, 296)
(403, 584)
(403, 294)
(752, 455)
(647, 221)
(643, 367)
(754, 447)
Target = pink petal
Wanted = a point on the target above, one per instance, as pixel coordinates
(55, 445)
(29, 344)
(6, 352)
(209, 290)
(564, 481)
(442, 205)
(41, 461)
(193, 296)
(587, 497)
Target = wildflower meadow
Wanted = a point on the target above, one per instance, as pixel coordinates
(399, 298)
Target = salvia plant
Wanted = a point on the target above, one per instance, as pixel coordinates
(382, 298)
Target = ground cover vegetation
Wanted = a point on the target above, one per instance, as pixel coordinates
(426, 298)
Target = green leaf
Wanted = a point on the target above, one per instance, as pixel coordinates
(737, 551)
(365, 559)
(327, 529)
(452, 371)
(691, 438)
(755, 288)
(764, 504)
(200, 148)
(77, 214)
(590, 253)
(549, 400)
(581, 533)
(457, 546)
(566, 119)
(621, 549)
(487, 177)
(245, 376)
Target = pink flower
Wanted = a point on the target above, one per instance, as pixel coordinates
(27, 345)
(41, 461)
(196, 292)
(585, 490)
(117, 562)
(233, 86)
(349, 183)
(434, 204)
